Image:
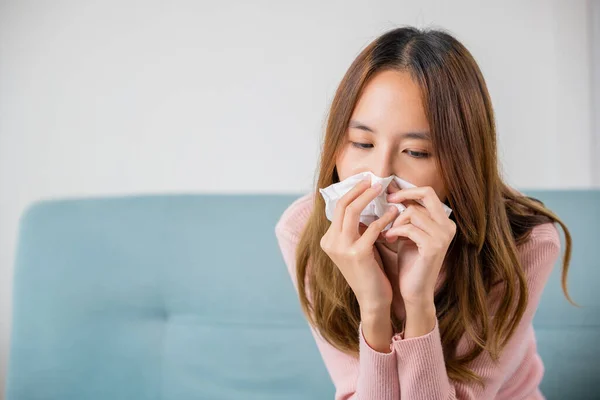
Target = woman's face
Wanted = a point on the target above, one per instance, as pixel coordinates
(388, 134)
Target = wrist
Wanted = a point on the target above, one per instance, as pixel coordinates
(374, 310)
(420, 320)
(424, 309)
(377, 316)
(377, 331)
(423, 302)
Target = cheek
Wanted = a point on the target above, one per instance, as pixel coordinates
(436, 182)
(340, 164)
(439, 187)
(428, 179)
(348, 164)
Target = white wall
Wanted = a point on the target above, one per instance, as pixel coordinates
(100, 98)
(594, 22)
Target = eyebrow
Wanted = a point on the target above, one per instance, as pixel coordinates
(408, 135)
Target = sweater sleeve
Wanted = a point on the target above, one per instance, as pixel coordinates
(421, 369)
(373, 375)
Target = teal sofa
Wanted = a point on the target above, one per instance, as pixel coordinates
(177, 297)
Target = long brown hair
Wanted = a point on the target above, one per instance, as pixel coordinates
(491, 218)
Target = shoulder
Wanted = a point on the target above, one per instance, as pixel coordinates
(543, 235)
(541, 250)
(289, 227)
(294, 217)
(543, 241)
(538, 255)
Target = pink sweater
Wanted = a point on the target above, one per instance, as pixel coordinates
(415, 370)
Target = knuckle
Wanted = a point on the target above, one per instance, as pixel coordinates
(452, 226)
(325, 243)
(351, 209)
(451, 237)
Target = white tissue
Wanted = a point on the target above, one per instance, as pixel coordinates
(377, 207)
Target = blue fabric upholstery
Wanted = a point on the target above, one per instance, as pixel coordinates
(178, 297)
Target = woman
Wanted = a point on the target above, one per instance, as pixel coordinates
(436, 307)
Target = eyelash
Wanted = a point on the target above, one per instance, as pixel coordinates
(359, 146)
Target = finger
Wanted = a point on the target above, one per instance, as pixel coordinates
(375, 228)
(419, 218)
(342, 203)
(362, 228)
(408, 204)
(356, 207)
(427, 196)
(397, 222)
(410, 231)
(393, 187)
(402, 219)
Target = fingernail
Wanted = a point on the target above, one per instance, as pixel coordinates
(377, 186)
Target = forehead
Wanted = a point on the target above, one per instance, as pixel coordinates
(391, 101)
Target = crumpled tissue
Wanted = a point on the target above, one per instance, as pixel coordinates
(377, 207)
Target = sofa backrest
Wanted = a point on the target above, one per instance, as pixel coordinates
(178, 297)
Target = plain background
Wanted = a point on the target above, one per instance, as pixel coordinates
(118, 97)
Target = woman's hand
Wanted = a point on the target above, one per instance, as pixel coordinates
(432, 232)
(354, 253)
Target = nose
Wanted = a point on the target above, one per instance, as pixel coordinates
(382, 174)
(382, 165)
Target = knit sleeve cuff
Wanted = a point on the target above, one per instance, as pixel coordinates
(421, 363)
(379, 374)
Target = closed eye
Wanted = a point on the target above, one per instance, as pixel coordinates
(418, 154)
(362, 145)
(414, 154)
